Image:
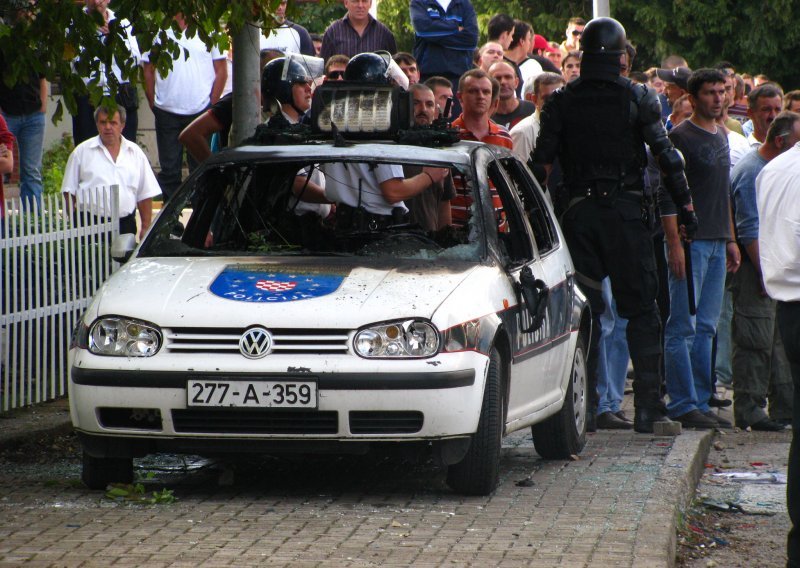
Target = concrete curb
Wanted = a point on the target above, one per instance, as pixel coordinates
(672, 492)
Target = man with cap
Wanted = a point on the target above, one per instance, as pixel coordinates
(675, 83)
(597, 127)
(540, 47)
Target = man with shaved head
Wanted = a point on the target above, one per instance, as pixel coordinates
(510, 109)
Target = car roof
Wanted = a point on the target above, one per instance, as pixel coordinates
(457, 154)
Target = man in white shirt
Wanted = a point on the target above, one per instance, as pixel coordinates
(778, 196)
(287, 37)
(525, 132)
(194, 83)
(109, 159)
(83, 126)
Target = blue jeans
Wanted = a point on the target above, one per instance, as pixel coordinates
(612, 355)
(28, 129)
(688, 339)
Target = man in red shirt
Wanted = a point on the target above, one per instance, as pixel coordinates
(479, 93)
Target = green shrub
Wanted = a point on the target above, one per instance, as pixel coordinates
(53, 163)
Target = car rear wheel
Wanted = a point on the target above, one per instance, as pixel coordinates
(99, 472)
(564, 434)
(478, 472)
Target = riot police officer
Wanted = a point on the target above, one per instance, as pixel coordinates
(597, 127)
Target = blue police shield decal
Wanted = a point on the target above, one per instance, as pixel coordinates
(266, 283)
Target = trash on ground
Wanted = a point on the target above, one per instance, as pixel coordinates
(752, 477)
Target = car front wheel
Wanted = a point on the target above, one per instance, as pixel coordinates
(564, 434)
(478, 472)
(99, 472)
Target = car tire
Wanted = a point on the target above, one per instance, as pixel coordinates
(564, 434)
(99, 472)
(478, 472)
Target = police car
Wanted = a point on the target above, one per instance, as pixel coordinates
(241, 325)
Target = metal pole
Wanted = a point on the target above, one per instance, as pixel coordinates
(246, 82)
(601, 8)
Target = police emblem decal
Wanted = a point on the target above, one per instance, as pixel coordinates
(252, 283)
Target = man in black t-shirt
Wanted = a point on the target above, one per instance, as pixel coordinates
(688, 338)
(23, 105)
(510, 109)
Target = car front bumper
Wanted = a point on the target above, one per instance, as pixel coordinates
(358, 401)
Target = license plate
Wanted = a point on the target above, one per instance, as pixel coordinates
(252, 394)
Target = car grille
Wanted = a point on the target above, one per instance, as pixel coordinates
(385, 422)
(255, 421)
(222, 340)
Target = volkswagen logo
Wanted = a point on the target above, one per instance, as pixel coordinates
(255, 343)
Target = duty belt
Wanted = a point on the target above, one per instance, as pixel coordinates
(359, 219)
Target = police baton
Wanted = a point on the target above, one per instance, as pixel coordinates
(687, 253)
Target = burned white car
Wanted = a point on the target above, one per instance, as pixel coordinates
(242, 325)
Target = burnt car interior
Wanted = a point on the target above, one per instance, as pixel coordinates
(251, 209)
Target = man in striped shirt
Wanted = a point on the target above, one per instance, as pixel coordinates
(479, 93)
(357, 32)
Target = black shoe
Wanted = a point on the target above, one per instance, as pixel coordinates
(767, 425)
(591, 421)
(696, 419)
(721, 422)
(610, 421)
(621, 415)
(715, 402)
(644, 418)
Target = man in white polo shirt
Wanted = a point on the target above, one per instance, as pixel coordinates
(194, 83)
(778, 196)
(110, 159)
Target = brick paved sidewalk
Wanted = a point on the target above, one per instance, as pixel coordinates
(615, 506)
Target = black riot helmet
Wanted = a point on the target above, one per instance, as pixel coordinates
(277, 79)
(603, 35)
(367, 68)
(377, 68)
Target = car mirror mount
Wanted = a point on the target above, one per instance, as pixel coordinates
(535, 293)
(122, 247)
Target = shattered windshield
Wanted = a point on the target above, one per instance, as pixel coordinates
(299, 208)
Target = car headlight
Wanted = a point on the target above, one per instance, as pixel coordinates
(123, 337)
(407, 339)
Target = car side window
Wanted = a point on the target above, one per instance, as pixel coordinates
(508, 217)
(539, 217)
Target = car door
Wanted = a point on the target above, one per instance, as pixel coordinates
(534, 380)
(553, 256)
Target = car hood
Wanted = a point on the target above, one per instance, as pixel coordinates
(239, 292)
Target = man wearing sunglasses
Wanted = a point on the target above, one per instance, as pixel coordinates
(335, 66)
(574, 31)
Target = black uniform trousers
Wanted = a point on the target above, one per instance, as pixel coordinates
(788, 316)
(609, 237)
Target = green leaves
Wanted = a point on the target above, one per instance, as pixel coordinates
(61, 41)
(135, 493)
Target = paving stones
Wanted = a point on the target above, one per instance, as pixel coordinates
(614, 506)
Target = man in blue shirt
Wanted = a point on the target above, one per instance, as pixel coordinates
(445, 38)
(759, 363)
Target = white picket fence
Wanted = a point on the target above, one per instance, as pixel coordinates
(52, 260)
